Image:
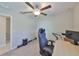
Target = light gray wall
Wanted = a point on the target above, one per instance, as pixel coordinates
(76, 17)
(57, 23)
(23, 26)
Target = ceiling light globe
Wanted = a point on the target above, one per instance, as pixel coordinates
(37, 12)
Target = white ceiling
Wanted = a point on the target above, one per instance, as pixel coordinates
(21, 6)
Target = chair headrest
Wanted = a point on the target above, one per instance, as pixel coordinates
(41, 30)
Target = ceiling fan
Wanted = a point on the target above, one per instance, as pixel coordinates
(36, 11)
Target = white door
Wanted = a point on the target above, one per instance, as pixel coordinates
(2, 31)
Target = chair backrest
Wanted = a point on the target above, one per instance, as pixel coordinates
(42, 38)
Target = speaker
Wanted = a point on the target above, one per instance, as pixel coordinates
(24, 42)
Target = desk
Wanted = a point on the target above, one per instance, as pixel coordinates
(64, 48)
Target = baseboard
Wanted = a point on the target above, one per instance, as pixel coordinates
(13, 48)
(27, 41)
(32, 40)
(2, 46)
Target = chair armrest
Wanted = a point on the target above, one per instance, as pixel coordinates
(51, 41)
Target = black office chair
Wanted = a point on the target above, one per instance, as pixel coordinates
(45, 49)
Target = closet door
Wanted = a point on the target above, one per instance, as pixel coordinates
(2, 31)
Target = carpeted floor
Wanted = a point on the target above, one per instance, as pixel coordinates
(5, 49)
(31, 49)
(62, 48)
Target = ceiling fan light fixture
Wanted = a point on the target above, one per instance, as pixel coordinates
(36, 12)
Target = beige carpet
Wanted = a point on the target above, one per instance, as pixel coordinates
(5, 49)
(65, 48)
(62, 48)
(31, 49)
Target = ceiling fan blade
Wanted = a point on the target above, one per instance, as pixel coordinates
(44, 8)
(44, 14)
(26, 12)
(29, 5)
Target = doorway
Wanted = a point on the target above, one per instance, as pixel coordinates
(5, 22)
(8, 31)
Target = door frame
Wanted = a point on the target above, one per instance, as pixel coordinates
(6, 15)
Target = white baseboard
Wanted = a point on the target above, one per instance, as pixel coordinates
(2, 45)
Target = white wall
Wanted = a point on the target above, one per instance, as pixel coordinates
(58, 23)
(23, 26)
(76, 17)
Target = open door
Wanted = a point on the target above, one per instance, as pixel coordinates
(4, 34)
